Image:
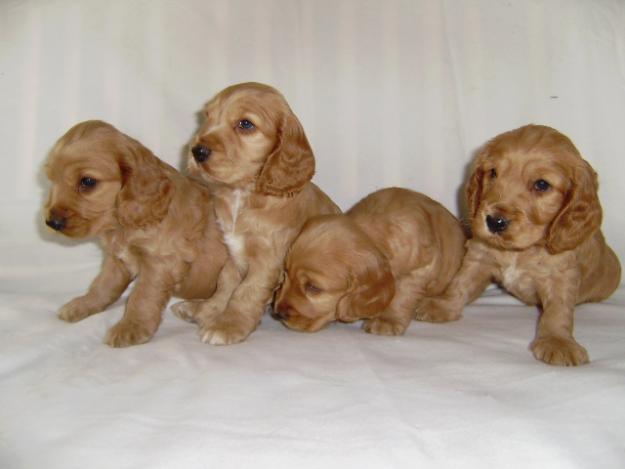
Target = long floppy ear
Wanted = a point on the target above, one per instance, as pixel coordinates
(146, 190)
(581, 214)
(372, 288)
(473, 188)
(291, 164)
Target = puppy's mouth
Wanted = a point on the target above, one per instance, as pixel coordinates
(505, 232)
(70, 227)
(295, 321)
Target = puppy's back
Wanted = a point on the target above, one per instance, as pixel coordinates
(413, 231)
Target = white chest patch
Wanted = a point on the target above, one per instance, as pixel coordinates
(235, 242)
(511, 275)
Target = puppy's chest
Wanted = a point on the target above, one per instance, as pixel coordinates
(229, 211)
(519, 278)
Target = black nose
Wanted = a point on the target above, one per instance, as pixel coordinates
(201, 153)
(497, 224)
(56, 223)
(281, 312)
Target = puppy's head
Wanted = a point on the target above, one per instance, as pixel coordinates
(530, 186)
(333, 272)
(101, 179)
(251, 139)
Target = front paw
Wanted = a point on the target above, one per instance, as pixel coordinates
(563, 351)
(437, 310)
(384, 326)
(186, 310)
(197, 311)
(226, 330)
(126, 333)
(76, 310)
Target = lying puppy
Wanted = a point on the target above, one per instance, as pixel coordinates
(377, 262)
(535, 217)
(154, 224)
(254, 152)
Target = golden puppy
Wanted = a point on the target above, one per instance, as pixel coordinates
(376, 262)
(254, 152)
(154, 224)
(535, 217)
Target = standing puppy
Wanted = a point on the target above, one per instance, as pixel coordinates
(377, 262)
(253, 151)
(535, 217)
(155, 225)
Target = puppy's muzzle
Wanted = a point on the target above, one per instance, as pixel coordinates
(56, 223)
(497, 223)
(282, 312)
(201, 153)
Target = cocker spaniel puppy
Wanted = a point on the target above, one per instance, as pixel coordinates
(377, 262)
(254, 152)
(155, 225)
(535, 217)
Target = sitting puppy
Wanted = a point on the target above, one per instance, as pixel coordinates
(376, 262)
(154, 224)
(535, 218)
(254, 152)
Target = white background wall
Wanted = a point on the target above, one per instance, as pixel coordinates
(390, 92)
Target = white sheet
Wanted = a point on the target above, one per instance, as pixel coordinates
(390, 93)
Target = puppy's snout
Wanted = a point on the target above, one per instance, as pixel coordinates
(201, 153)
(497, 223)
(282, 312)
(56, 223)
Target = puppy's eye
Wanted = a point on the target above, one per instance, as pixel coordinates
(492, 173)
(541, 185)
(312, 289)
(87, 183)
(246, 125)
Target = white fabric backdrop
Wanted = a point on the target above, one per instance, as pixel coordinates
(390, 92)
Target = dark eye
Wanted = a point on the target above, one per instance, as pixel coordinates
(245, 124)
(88, 183)
(541, 185)
(492, 173)
(312, 289)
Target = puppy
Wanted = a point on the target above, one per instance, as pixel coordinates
(376, 262)
(155, 225)
(254, 152)
(535, 217)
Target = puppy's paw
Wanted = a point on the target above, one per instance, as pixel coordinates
(563, 351)
(197, 311)
(186, 310)
(384, 326)
(76, 310)
(126, 333)
(437, 310)
(225, 330)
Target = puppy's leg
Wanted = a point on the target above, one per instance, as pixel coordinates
(204, 311)
(142, 317)
(395, 319)
(554, 342)
(247, 304)
(469, 282)
(104, 290)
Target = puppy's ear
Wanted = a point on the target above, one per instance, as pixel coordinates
(291, 164)
(372, 287)
(473, 187)
(581, 214)
(146, 190)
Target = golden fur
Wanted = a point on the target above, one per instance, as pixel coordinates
(154, 224)
(376, 262)
(544, 244)
(253, 151)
